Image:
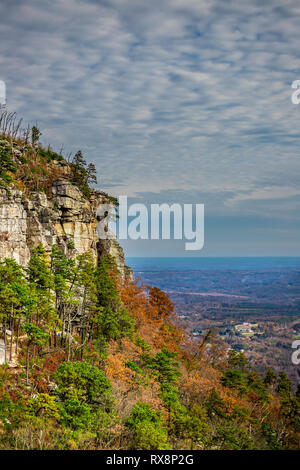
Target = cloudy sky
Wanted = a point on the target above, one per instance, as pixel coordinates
(183, 101)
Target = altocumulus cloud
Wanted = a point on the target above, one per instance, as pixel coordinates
(184, 98)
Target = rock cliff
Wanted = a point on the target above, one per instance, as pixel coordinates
(66, 218)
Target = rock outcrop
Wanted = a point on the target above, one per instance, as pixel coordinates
(66, 219)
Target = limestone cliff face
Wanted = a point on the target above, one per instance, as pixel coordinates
(66, 219)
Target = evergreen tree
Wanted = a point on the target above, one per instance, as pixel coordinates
(164, 365)
(238, 360)
(82, 381)
(113, 320)
(35, 135)
(82, 174)
(35, 336)
(215, 406)
(270, 377)
(146, 426)
(42, 313)
(283, 385)
(14, 297)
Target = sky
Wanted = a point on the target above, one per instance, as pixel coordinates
(175, 101)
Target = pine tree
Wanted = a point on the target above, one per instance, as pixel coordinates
(35, 336)
(270, 377)
(82, 174)
(35, 135)
(283, 385)
(42, 285)
(113, 321)
(14, 297)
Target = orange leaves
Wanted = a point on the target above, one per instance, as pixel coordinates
(20, 185)
(127, 385)
(197, 385)
(163, 308)
(52, 361)
(231, 399)
(201, 362)
(117, 371)
(152, 313)
(170, 336)
(155, 307)
(119, 355)
(136, 302)
(36, 173)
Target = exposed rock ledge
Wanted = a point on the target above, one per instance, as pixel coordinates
(66, 219)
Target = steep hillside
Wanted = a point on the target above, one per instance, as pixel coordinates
(45, 199)
(91, 359)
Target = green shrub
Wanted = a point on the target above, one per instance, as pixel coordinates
(76, 414)
(45, 406)
(147, 436)
(81, 381)
(191, 425)
(6, 158)
(147, 430)
(143, 412)
(232, 437)
(114, 321)
(234, 378)
(6, 162)
(50, 155)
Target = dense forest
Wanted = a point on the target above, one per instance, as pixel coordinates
(96, 361)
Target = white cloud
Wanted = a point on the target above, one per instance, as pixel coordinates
(162, 94)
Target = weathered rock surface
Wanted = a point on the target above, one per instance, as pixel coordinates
(66, 219)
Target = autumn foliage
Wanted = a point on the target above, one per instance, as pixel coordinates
(94, 361)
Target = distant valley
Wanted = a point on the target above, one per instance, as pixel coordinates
(254, 310)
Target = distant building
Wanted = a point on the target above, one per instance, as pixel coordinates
(246, 327)
(197, 332)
